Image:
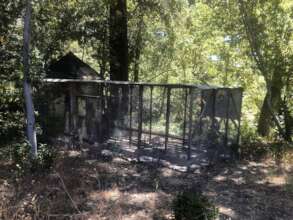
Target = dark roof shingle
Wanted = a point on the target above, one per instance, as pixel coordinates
(71, 67)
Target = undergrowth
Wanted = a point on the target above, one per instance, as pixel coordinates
(24, 162)
(190, 205)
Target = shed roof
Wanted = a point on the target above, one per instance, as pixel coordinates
(71, 67)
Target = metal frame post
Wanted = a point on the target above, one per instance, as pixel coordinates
(151, 113)
(140, 104)
(190, 123)
(214, 93)
(239, 120)
(167, 118)
(185, 115)
(130, 113)
(201, 111)
(228, 94)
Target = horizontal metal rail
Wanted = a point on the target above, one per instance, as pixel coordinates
(121, 83)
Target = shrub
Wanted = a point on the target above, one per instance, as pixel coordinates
(193, 206)
(24, 162)
(21, 156)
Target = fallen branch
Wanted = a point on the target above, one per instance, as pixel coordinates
(68, 194)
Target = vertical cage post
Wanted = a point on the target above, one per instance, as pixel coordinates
(130, 87)
(228, 94)
(184, 116)
(73, 109)
(167, 117)
(108, 113)
(214, 93)
(151, 113)
(86, 118)
(67, 114)
(101, 109)
(201, 112)
(239, 118)
(140, 104)
(190, 123)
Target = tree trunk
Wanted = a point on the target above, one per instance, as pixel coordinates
(272, 101)
(30, 117)
(138, 50)
(118, 41)
(271, 105)
(118, 44)
(288, 121)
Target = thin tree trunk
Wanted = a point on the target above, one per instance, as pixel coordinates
(270, 106)
(30, 117)
(118, 45)
(138, 50)
(118, 41)
(288, 118)
(271, 103)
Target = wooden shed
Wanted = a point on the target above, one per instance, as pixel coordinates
(61, 96)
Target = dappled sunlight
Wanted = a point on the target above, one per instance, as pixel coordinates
(239, 180)
(123, 189)
(168, 172)
(220, 178)
(276, 180)
(227, 212)
(143, 199)
(110, 195)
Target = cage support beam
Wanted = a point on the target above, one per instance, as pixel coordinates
(185, 115)
(227, 118)
(239, 124)
(73, 109)
(201, 112)
(214, 94)
(167, 118)
(140, 105)
(130, 87)
(151, 113)
(190, 124)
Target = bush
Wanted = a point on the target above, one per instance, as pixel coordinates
(11, 117)
(193, 206)
(24, 162)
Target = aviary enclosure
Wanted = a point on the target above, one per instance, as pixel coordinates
(150, 121)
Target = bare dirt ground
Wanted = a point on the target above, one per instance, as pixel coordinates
(87, 187)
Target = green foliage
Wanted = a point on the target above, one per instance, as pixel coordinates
(24, 162)
(248, 133)
(193, 206)
(11, 117)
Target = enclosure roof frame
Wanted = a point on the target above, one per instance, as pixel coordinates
(128, 83)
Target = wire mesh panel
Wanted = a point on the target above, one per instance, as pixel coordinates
(156, 120)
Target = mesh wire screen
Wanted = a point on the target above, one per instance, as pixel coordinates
(155, 118)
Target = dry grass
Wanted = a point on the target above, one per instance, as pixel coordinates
(81, 187)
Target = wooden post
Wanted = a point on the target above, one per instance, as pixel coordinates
(140, 104)
(167, 118)
(190, 123)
